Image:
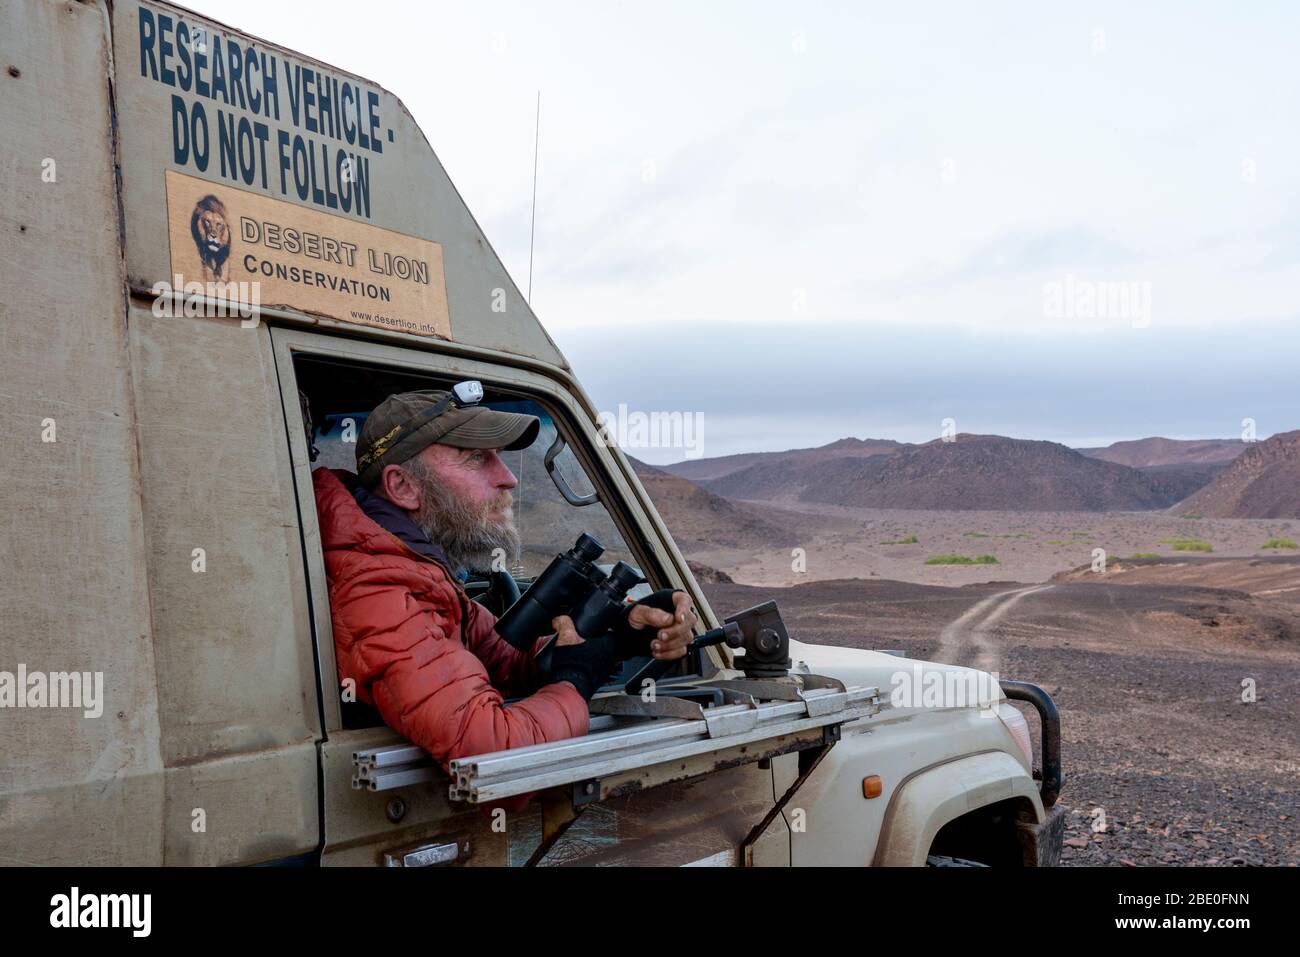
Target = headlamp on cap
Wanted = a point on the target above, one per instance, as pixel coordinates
(463, 395)
(469, 392)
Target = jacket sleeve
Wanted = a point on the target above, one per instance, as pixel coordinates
(430, 687)
(513, 672)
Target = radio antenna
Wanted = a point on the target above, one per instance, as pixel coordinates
(532, 227)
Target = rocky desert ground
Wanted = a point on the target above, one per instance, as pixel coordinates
(1178, 676)
(845, 542)
(1141, 584)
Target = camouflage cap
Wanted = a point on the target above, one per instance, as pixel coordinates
(405, 424)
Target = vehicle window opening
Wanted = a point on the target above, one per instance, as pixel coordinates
(555, 499)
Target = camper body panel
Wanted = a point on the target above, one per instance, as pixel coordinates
(74, 594)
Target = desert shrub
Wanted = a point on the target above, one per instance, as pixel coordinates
(910, 540)
(1188, 544)
(962, 560)
(1279, 543)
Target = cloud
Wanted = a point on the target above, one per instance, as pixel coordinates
(1075, 249)
(850, 235)
(763, 387)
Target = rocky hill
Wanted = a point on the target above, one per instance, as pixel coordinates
(1159, 452)
(991, 472)
(1262, 482)
(713, 468)
(699, 519)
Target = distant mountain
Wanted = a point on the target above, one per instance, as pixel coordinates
(712, 468)
(1180, 480)
(1262, 482)
(778, 481)
(699, 519)
(990, 472)
(1158, 452)
(973, 472)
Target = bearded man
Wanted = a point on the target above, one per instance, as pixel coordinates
(431, 499)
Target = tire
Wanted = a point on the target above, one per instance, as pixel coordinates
(941, 860)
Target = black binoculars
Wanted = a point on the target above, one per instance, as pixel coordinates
(570, 585)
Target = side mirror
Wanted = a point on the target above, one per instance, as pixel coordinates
(570, 496)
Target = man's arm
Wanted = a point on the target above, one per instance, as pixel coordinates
(430, 687)
(513, 672)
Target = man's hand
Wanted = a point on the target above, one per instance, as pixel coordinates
(584, 664)
(675, 627)
(565, 633)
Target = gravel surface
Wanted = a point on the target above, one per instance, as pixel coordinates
(1164, 762)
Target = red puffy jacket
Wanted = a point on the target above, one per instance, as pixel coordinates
(421, 651)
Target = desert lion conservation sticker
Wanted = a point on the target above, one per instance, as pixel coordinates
(304, 259)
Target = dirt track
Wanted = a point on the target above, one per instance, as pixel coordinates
(1147, 665)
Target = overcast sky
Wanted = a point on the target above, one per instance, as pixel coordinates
(818, 220)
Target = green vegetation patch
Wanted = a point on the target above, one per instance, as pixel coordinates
(1279, 543)
(1188, 544)
(1076, 538)
(910, 540)
(962, 560)
(1143, 555)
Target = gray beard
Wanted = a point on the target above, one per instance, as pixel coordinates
(464, 532)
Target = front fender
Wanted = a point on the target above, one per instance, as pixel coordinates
(928, 800)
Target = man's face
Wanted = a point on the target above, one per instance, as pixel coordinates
(465, 504)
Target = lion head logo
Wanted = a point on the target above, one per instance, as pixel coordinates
(211, 232)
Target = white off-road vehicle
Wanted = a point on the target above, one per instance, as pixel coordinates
(207, 235)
